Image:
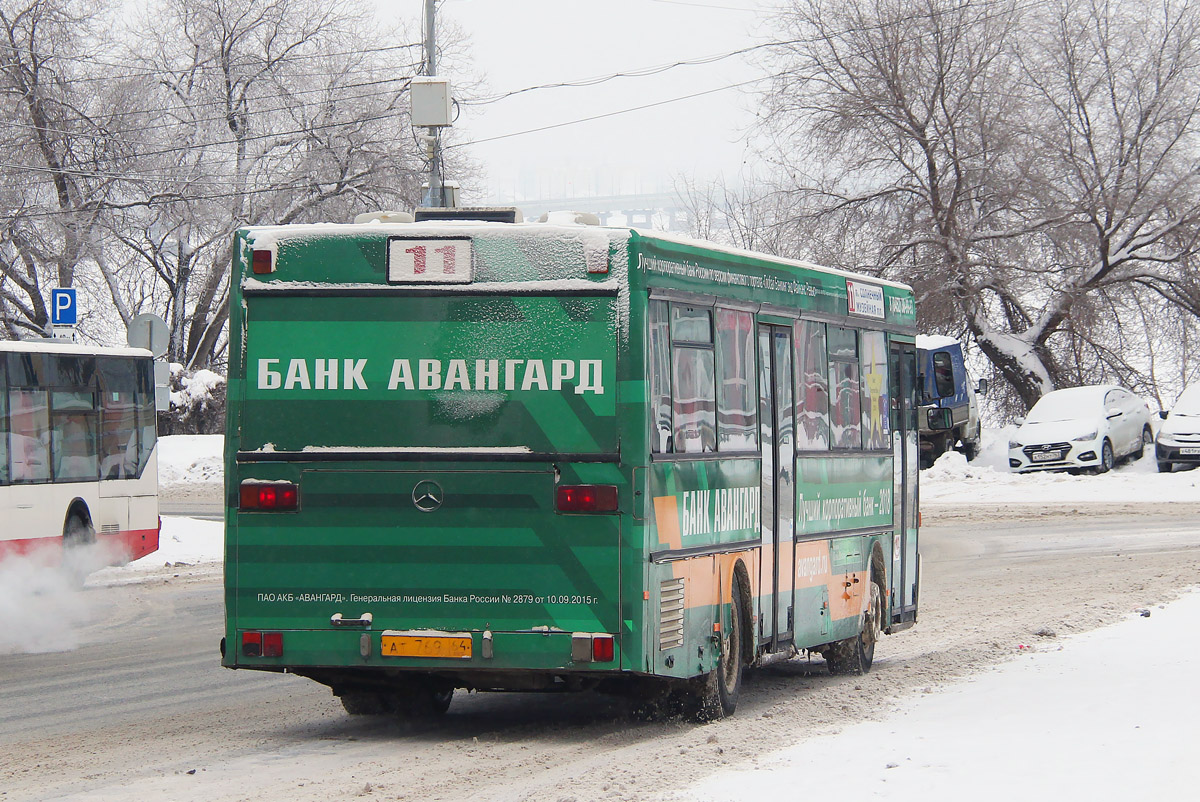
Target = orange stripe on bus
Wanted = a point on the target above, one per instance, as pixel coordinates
(666, 516)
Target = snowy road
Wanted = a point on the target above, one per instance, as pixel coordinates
(142, 709)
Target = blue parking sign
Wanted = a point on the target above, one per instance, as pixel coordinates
(63, 311)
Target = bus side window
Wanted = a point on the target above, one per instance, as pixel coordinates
(29, 435)
(147, 425)
(737, 402)
(694, 380)
(4, 477)
(812, 391)
(73, 437)
(875, 405)
(118, 438)
(846, 417)
(659, 384)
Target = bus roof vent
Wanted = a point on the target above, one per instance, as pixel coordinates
(384, 216)
(487, 214)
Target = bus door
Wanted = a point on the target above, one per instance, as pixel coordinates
(777, 421)
(905, 404)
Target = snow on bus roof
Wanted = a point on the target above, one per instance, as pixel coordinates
(563, 285)
(269, 237)
(680, 239)
(78, 349)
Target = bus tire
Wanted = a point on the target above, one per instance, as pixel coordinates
(365, 703)
(78, 530)
(719, 693)
(77, 534)
(856, 655)
(420, 702)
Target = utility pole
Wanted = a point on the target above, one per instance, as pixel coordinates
(434, 144)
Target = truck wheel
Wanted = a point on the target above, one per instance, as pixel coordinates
(970, 450)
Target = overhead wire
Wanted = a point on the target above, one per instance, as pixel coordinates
(613, 113)
(644, 72)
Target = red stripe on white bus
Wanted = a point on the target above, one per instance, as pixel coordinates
(132, 543)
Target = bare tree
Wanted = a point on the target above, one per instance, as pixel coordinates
(61, 151)
(1023, 168)
(274, 112)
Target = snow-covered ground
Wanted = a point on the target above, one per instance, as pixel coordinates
(1108, 715)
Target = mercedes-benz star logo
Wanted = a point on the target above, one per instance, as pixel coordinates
(427, 495)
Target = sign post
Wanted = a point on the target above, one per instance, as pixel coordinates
(149, 331)
(64, 312)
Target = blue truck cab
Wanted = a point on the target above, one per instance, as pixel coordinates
(949, 415)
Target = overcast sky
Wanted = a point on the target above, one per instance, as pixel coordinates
(516, 44)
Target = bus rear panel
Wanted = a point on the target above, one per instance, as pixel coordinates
(452, 454)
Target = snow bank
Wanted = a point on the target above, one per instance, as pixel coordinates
(987, 480)
(190, 459)
(1084, 718)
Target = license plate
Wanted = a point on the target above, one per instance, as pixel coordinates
(1190, 450)
(1045, 456)
(457, 647)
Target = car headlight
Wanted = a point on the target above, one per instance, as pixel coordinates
(1013, 444)
(1089, 436)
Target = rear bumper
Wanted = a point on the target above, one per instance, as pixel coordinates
(528, 652)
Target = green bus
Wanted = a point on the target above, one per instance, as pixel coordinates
(487, 455)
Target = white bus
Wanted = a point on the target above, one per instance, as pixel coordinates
(78, 462)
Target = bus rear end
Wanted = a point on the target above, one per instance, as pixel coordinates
(423, 482)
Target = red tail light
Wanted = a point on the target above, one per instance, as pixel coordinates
(603, 650)
(262, 262)
(262, 644)
(269, 496)
(252, 644)
(272, 644)
(587, 498)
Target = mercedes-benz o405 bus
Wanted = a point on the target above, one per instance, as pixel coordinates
(500, 456)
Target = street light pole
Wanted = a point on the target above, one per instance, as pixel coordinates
(433, 141)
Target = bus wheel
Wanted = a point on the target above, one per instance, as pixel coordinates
(78, 533)
(365, 703)
(422, 702)
(855, 655)
(440, 700)
(719, 695)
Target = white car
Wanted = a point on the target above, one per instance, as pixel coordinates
(1081, 427)
(1178, 440)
